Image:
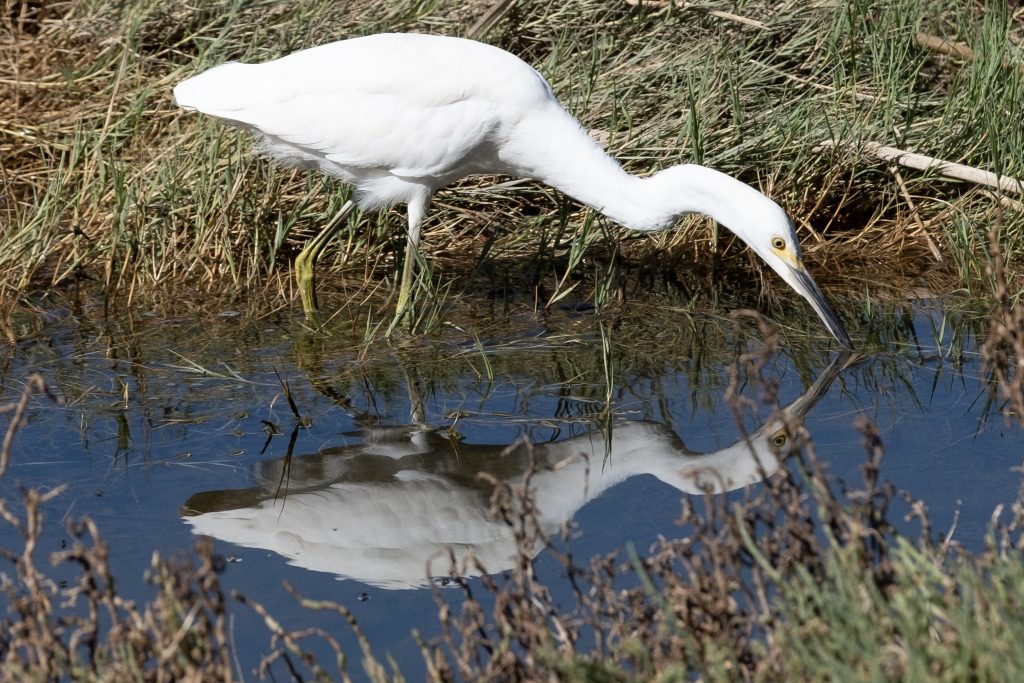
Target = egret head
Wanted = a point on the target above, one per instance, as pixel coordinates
(774, 240)
(764, 227)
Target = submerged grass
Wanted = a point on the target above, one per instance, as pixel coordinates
(105, 179)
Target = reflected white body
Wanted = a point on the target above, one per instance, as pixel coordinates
(383, 533)
(377, 512)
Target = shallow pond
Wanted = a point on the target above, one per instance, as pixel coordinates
(176, 426)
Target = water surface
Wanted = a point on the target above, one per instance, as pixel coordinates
(177, 426)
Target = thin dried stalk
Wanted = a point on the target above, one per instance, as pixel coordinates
(923, 162)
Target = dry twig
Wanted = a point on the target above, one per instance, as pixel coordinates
(922, 162)
(952, 49)
(682, 4)
(33, 384)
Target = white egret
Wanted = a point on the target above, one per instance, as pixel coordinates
(400, 116)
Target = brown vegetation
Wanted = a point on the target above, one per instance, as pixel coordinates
(105, 179)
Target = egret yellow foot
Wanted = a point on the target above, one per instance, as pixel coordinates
(305, 263)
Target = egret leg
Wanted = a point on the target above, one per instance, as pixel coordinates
(417, 209)
(305, 262)
(405, 289)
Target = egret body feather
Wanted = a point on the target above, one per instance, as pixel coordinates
(400, 116)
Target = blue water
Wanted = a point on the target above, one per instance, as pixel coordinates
(165, 417)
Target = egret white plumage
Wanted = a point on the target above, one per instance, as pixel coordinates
(377, 511)
(400, 116)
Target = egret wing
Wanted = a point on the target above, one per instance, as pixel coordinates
(390, 132)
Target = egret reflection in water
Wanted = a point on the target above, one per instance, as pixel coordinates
(376, 512)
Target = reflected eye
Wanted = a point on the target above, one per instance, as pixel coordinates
(778, 243)
(779, 440)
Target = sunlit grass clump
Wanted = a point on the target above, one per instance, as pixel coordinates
(105, 179)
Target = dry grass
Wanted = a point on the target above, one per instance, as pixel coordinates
(1003, 349)
(797, 582)
(104, 179)
(84, 629)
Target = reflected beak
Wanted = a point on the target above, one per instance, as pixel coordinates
(802, 282)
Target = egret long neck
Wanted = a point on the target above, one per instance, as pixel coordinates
(552, 147)
(635, 448)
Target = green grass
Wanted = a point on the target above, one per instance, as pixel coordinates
(105, 181)
(104, 178)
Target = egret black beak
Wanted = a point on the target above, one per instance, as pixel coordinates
(803, 282)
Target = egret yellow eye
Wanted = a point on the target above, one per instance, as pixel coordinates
(779, 440)
(778, 243)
